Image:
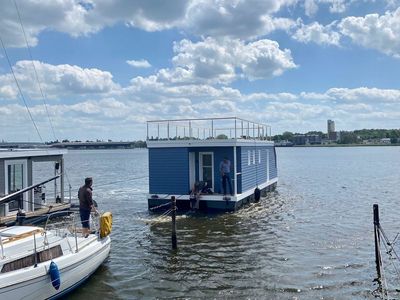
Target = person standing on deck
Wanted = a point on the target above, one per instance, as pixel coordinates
(85, 205)
(225, 170)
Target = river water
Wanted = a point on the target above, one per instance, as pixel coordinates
(310, 239)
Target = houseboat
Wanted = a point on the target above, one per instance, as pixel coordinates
(31, 182)
(204, 157)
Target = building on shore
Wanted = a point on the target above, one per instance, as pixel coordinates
(307, 139)
(333, 135)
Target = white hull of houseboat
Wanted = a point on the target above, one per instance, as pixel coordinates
(35, 283)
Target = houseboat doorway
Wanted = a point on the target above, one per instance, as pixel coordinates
(206, 168)
(16, 172)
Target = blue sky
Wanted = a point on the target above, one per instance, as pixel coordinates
(105, 67)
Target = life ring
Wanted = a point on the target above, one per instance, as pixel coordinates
(257, 194)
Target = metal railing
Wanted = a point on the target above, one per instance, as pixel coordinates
(206, 129)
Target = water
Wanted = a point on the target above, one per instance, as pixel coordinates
(311, 239)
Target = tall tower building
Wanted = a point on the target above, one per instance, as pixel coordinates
(332, 134)
(331, 126)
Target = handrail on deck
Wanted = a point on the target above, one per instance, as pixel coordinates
(207, 128)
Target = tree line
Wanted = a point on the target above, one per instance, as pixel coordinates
(347, 137)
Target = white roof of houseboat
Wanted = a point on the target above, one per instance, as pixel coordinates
(20, 153)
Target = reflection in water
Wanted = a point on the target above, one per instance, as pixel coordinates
(311, 239)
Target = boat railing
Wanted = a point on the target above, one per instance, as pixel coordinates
(71, 225)
(28, 195)
(206, 129)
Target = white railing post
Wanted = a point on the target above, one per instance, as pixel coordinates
(76, 237)
(2, 248)
(235, 130)
(167, 130)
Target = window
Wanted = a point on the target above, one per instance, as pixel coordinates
(254, 157)
(248, 158)
(259, 156)
(206, 168)
(29, 260)
(15, 175)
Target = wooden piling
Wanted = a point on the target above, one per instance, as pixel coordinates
(173, 216)
(378, 258)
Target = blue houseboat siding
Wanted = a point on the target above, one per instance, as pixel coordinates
(169, 171)
(254, 167)
(169, 167)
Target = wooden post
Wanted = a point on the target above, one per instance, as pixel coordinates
(173, 216)
(378, 259)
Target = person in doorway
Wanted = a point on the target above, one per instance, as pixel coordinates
(194, 196)
(86, 205)
(225, 170)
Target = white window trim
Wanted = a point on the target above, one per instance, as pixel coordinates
(259, 156)
(248, 157)
(201, 167)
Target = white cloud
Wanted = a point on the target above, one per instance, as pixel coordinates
(337, 6)
(149, 15)
(316, 96)
(55, 80)
(236, 19)
(139, 63)
(310, 7)
(317, 33)
(100, 106)
(105, 117)
(374, 31)
(217, 18)
(364, 94)
(61, 15)
(214, 61)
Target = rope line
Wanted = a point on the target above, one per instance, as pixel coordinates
(125, 180)
(159, 206)
(393, 259)
(34, 68)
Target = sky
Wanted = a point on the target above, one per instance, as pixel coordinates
(99, 69)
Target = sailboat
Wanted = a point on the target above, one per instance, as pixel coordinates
(47, 263)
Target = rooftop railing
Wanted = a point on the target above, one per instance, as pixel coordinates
(206, 129)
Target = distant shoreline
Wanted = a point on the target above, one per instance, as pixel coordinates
(341, 145)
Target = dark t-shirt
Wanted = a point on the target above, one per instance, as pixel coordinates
(85, 197)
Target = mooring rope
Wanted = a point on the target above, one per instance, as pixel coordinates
(160, 206)
(393, 257)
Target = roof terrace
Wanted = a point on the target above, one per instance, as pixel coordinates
(207, 129)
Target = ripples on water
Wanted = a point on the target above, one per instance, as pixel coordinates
(310, 239)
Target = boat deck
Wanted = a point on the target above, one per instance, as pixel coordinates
(55, 207)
